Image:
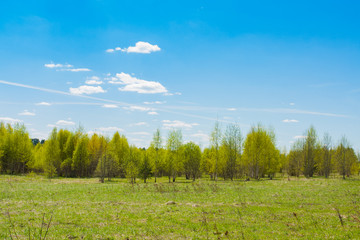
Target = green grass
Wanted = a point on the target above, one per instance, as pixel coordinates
(87, 209)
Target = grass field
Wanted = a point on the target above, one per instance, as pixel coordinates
(266, 209)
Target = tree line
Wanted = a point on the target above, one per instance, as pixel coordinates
(230, 155)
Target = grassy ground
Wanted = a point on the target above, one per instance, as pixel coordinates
(86, 209)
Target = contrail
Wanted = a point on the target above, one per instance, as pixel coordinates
(63, 93)
(172, 109)
(104, 100)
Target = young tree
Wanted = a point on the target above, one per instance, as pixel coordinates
(62, 137)
(310, 148)
(120, 150)
(105, 156)
(215, 141)
(132, 164)
(192, 159)
(95, 150)
(154, 150)
(206, 161)
(232, 145)
(71, 143)
(174, 163)
(295, 158)
(345, 158)
(52, 154)
(326, 164)
(81, 161)
(260, 154)
(145, 169)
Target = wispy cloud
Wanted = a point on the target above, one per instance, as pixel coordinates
(168, 124)
(65, 67)
(110, 106)
(139, 124)
(156, 102)
(58, 65)
(27, 113)
(62, 123)
(65, 123)
(86, 90)
(137, 108)
(140, 47)
(133, 84)
(153, 113)
(290, 121)
(9, 120)
(75, 69)
(231, 109)
(94, 80)
(43, 104)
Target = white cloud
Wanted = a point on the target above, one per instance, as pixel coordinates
(153, 113)
(43, 104)
(231, 109)
(86, 90)
(139, 124)
(292, 104)
(64, 123)
(57, 65)
(110, 106)
(172, 94)
(143, 47)
(75, 69)
(140, 47)
(156, 102)
(290, 121)
(93, 82)
(137, 108)
(177, 124)
(9, 120)
(132, 84)
(27, 113)
(65, 67)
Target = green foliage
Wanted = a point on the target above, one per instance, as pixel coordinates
(231, 147)
(345, 158)
(174, 161)
(73, 154)
(16, 149)
(310, 148)
(81, 161)
(120, 151)
(145, 169)
(260, 154)
(133, 163)
(192, 159)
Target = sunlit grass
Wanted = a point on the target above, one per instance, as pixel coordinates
(85, 208)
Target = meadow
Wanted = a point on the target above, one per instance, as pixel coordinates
(34, 207)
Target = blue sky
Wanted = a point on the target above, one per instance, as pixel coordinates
(137, 66)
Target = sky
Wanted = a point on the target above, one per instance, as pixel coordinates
(135, 66)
